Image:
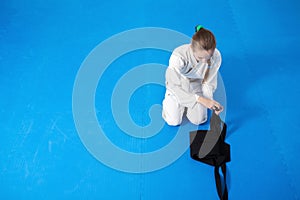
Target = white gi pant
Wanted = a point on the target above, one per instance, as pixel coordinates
(173, 112)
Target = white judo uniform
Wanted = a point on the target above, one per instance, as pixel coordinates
(186, 80)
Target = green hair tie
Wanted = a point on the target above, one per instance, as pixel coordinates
(198, 27)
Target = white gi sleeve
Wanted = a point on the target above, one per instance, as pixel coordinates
(211, 75)
(174, 81)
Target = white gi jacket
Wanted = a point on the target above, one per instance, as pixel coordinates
(185, 78)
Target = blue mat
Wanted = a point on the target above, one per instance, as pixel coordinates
(44, 50)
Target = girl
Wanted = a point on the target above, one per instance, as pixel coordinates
(191, 80)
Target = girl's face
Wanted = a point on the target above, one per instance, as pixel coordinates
(203, 55)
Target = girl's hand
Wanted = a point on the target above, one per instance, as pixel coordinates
(211, 104)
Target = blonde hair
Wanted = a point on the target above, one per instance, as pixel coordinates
(203, 39)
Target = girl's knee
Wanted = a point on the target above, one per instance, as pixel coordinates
(199, 121)
(171, 121)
